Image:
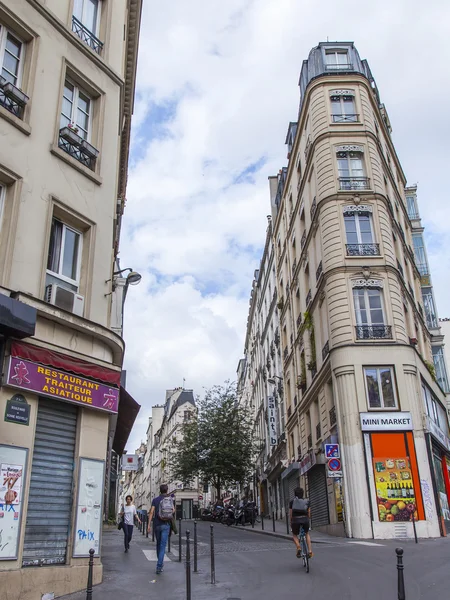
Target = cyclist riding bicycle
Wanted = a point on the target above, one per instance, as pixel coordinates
(300, 515)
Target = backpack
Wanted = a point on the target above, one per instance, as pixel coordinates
(165, 510)
(300, 505)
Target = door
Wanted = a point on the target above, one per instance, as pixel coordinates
(186, 506)
(50, 499)
(318, 496)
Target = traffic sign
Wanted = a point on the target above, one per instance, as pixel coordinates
(332, 451)
(334, 468)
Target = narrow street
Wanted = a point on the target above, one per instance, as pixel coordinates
(252, 566)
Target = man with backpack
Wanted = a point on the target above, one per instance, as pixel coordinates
(300, 516)
(161, 514)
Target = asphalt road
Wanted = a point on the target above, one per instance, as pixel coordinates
(253, 566)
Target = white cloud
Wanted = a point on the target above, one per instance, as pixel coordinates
(223, 77)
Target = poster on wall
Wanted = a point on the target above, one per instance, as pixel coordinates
(89, 507)
(396, 497)
(13, 463)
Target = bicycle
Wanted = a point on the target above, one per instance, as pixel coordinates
(304, 548)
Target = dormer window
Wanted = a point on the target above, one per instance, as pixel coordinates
(337, 60)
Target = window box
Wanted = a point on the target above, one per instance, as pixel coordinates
(70, 135)
(14, 94)
(89, 149)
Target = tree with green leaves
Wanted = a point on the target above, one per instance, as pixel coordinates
(217, 445)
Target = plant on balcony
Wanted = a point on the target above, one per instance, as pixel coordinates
(431, 368)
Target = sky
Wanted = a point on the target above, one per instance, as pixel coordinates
(217, 86)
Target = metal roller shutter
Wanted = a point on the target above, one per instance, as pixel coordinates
(50, 499)
(318, 496)
(292, 483)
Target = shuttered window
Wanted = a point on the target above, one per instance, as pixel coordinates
(318, 496)
(50, 499)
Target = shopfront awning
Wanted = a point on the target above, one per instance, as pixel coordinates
(50, 358)
(128, 411)
(16, 318)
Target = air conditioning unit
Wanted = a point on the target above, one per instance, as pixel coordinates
(65, 299)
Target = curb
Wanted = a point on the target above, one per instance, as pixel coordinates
(282, 536)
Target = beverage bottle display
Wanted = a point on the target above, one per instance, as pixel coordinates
(389, 493)
(404, 493)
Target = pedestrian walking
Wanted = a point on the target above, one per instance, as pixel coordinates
(128, 513)
(161, 514)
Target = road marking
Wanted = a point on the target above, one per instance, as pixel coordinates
(366, 543)
(151, 555)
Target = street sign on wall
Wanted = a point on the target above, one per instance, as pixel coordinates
(334, 467)
(332, 451)
(129, 462)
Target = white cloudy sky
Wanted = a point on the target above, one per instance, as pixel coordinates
(217, 86)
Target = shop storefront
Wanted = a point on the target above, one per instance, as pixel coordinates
(392, 472)
(439, 452)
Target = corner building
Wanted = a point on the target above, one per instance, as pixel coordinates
(67, 78)
(357, 352)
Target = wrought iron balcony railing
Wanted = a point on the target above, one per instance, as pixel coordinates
(285, 353)
(332, 414)
(299, 320)
(318, 431)
(308, 298)
(362, 249)
(400, 268)
(87, 36)
(373, 332)
(319, 271)
(354, 183)
(313, 208)
(350, 118)
(310, 440)
(308, 147)
(303, 240)
(75, 146)
(411, 291)
(326, 350)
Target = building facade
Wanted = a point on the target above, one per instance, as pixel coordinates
(366, 421)
(260, 385)
(164, 432)
(67, 84)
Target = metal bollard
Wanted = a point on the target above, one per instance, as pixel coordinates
(262, 521)
(188, 565)
(213, 566)
(90, 573)
(168, 542)
(179, 541)
(400, 568)
(273, 522)
(414, 527)
(195, 546)
(287, 522)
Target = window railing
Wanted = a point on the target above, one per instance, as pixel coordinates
(400, 268)
(77, 147)
(303, 240)
(332, 413)
(294, 265)
(318, 432)
(326, 350)
(285, 353)
(423, 268)
(313, 208)
(411, 291)
(350, 118)
(362, 249)
(310, 440)
(308, 147)
(339, 67)
(413, 214)
(308, 298)
(289, 411)
(354, 183)
(12, 98)
(319, 271)
(299, 320)
(86, 36)
(373, 332)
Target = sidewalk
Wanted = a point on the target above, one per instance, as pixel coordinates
(281, 532)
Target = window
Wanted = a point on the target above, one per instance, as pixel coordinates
(440, 366)
(370, 314)
(187, 415)
(76, 110)
(359, 232)
(380, 387)
(337, 60)
(343, 109)
(430, 309)
(419, 253)
(434, 409)
(413, 213)
(10, 56)
(64, 255)
(351, 170)
(86, 22)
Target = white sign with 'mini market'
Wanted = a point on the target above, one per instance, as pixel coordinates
(386, 421)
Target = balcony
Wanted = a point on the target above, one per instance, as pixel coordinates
(289, 412)
(285, 353)
(77, 147)
(303, 240)
(308, 147)
(319, 271)
(400, 268)
(423, 269)
(350, 118)
(325, 351)
(86, 36)
(299, 320)
(353, 183)
(308, 299)
(309, 441)
(373, 332)
(318, 432)
(339, 67)
(332, 415)
(362, 249)
(12, 98)
(313, 208)
(294, 266)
